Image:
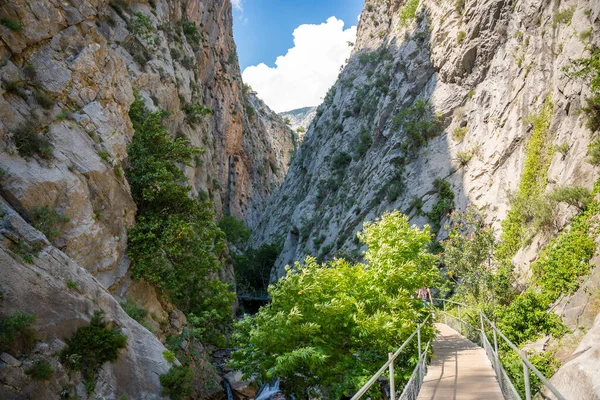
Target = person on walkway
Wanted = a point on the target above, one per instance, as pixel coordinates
(424, 294)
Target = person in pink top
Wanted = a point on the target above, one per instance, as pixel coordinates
(424, 294)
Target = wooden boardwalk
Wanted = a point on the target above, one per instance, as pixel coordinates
(460, 370)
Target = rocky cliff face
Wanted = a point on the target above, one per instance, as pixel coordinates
(433, 92)
(68, 72)
(478, 71)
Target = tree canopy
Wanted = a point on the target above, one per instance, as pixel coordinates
(330, 326)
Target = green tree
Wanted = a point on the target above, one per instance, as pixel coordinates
(235, 230)
(175, 243)
(329, 327)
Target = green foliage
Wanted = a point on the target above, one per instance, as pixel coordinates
(253, 268)
(169, 356)
(576, 196)
(190, 30)
(462, 35)
(444, 204)
(527, 318)
(175, 244)
(459, 6)
(469, 254)
(134, 310)
(562, 148)
(341, 161)
(330, 96)
(419, 124)
(538, 155)
(588, 69)
(335, 323)
(464, 156)
(459, 133)
(29, 144)
(543, 361)
(14, 328)
(176, 382)
(47, 221)
(363, 144)
(565, 16)
(44, 99)
(408, 12)
(141, 25)
(93, 345)
(71, 284)
(11, 24)
(40, 370)
(235, 230)
(195, 113)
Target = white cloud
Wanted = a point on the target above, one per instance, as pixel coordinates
(237, 4)
(302, 77)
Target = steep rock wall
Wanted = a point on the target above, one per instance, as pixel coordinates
(68, 72)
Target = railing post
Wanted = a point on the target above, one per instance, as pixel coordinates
(498, 367)
(527, 384)
(419, 338)
(482, 329)
(460, 320)
(392, 382)
(445, 315)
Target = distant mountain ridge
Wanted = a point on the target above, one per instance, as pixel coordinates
(300, 118)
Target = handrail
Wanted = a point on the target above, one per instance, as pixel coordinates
(390, 362)
(527, 365)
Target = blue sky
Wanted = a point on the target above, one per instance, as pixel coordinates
(290, 52)
(263, 28)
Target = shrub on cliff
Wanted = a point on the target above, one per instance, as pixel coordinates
(336, 322)
(175, 244)
(93, 345)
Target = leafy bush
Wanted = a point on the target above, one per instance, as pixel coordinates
(93, 345)
(29, 143)
(253, 268)
(335, 323)
(41, 370)
(543, 361)
(576, 196)
(175, 244)
(444, 205)
(169, 356)
(408, 12)
(364, 142)
(44, 99)
(459, 133)
(464, 156)
(527, 318)
(469, 254)
(538, 155)
(235, 230)
(588, 69)
(176, 382)
(16, 327)
(341, 161)
(462, 35)
(135, 311)
(419, 124)
(190, 30)
(47, 221)
(11, 24)
(565, 16)
(195, 113)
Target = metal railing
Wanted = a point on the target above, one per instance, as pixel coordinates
(507, 387)
(411, 389)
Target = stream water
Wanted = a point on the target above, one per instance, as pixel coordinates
(264, 392)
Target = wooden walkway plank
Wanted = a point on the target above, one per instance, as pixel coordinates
(460, 370)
